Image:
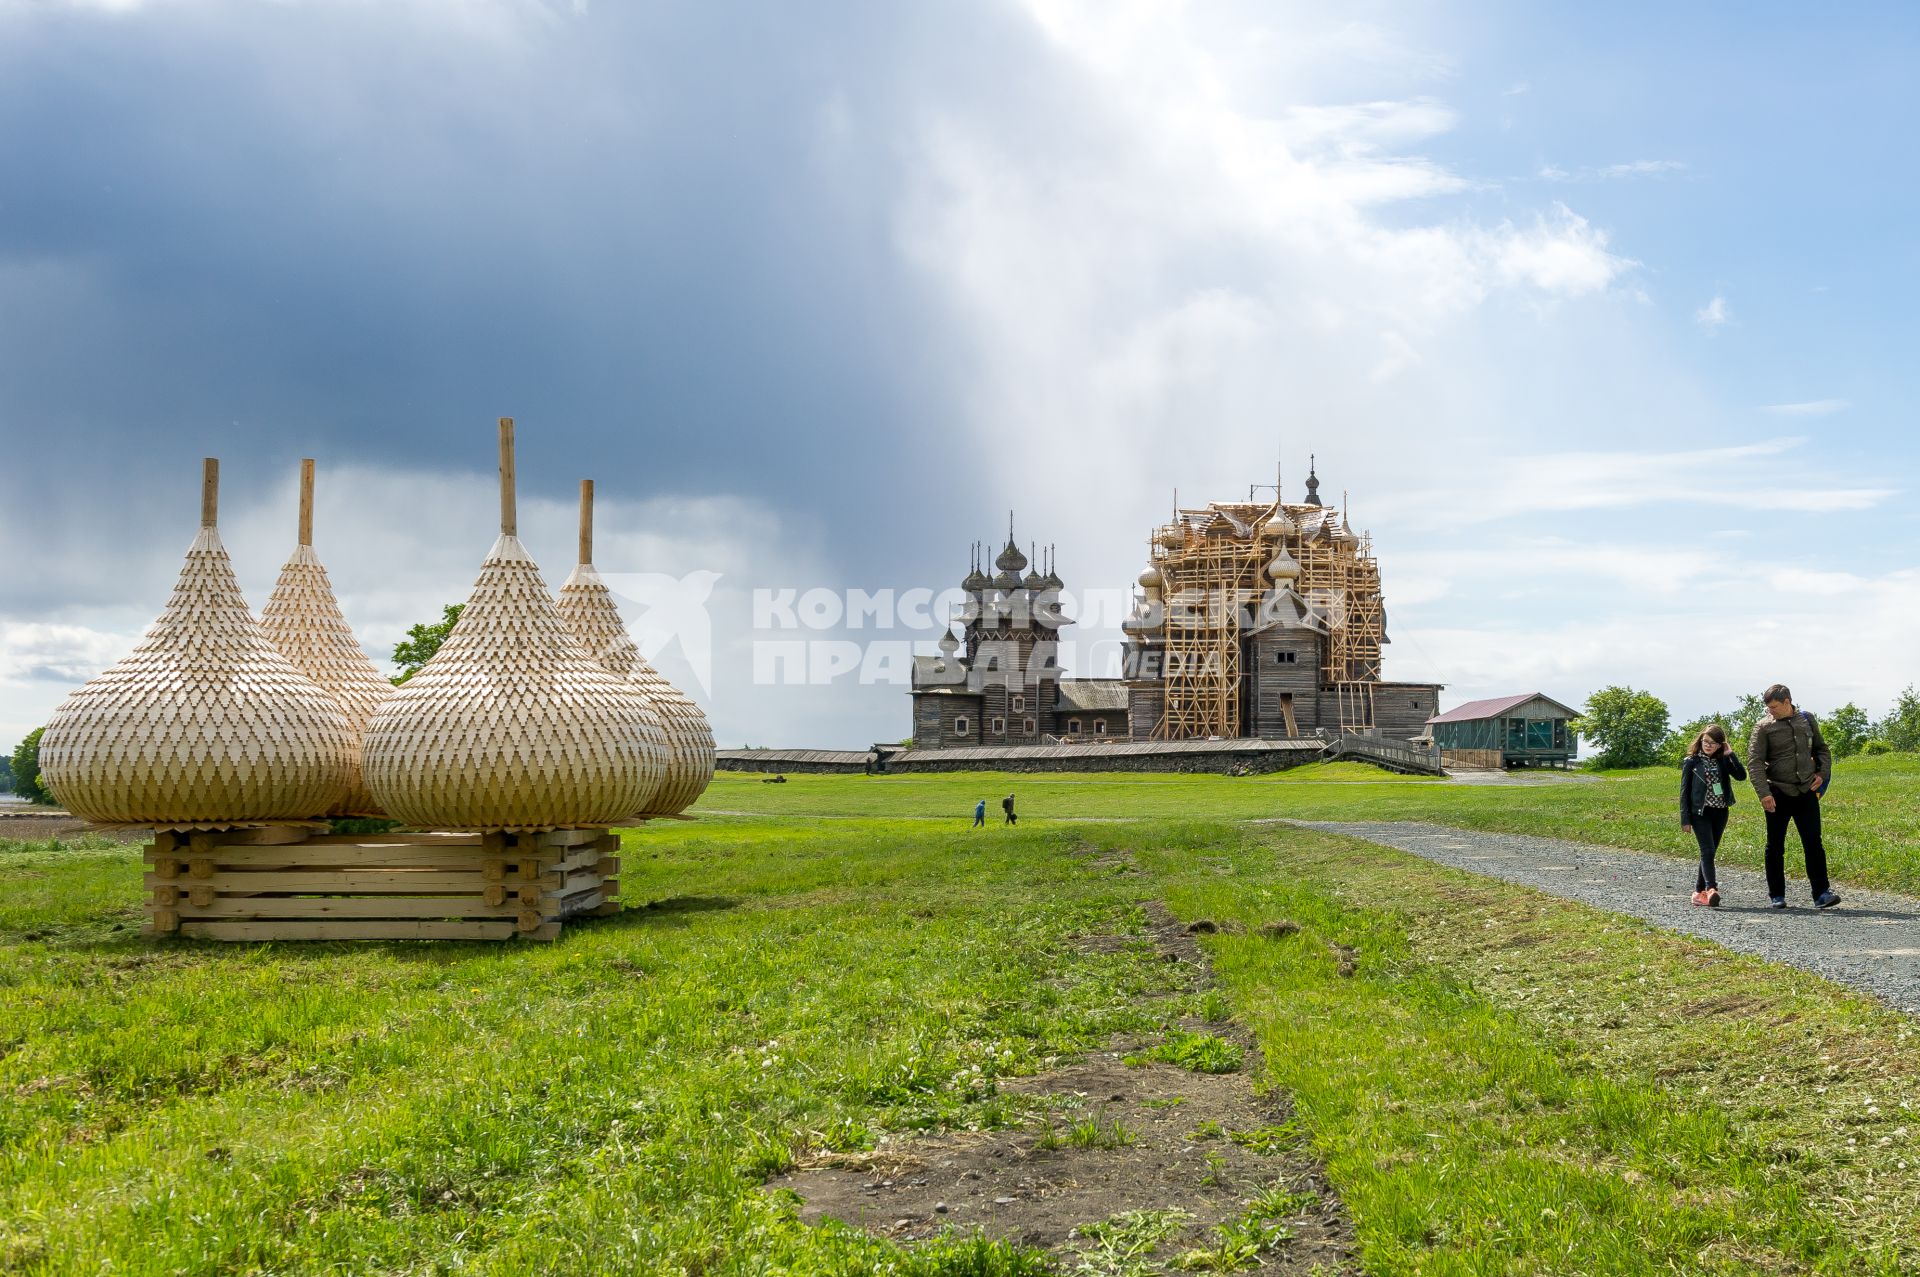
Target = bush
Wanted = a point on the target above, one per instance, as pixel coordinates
(1875, 745)
(1628, 725)
(1901, 727)
(25, 766)
(1847, 729)
(422, 641)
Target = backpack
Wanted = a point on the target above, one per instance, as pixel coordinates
(1820, 790)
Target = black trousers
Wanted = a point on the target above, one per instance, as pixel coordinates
(1803, 810)
(1708, 828)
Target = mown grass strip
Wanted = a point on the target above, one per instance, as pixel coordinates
(1511, 1083)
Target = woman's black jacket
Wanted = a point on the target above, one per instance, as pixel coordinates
(1693, 782)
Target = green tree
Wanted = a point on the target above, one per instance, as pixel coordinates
(1901, 727)
(1628, 725)
(422, 641)
(6, 773)
(1738, 725)
(25, 766)
(1743, 720)
(1846, 730)
(1675, 747)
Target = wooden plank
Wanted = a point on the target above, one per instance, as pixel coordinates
(567, 837)
(577, 882)
(266, 836)
(345, 882)
(474, 841)
(349, 930)
(306, 855)
(318, 907)
(579, 858)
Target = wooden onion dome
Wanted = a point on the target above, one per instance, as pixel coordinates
(304, 621)
(511, 726)
(588, 607)
(205, 724)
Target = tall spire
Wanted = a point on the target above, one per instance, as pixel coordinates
(1313, 480)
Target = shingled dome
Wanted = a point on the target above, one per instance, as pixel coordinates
(511, 726)
(687, 741)
(304, 621)
(205, 724)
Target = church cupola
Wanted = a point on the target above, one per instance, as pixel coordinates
(976, 580)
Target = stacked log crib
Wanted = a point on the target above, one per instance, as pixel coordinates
(288, 882)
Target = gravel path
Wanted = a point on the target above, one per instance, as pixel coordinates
(1871, 942)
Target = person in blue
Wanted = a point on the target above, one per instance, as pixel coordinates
(980, 813)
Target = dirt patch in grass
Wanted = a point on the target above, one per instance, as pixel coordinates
(1128, 1164)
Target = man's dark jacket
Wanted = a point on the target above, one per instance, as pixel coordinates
(1786, 754)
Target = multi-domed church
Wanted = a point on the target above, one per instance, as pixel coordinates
(1256, 618)
(1006, 687)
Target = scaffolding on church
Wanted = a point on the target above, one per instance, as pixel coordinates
(1211, 564)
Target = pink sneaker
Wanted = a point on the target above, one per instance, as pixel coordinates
(1713, 897)
(1702, 898)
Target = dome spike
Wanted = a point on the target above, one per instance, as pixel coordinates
(509, 520)
(306, 501)
(586, 522)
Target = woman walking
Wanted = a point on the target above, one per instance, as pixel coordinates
(1706, 795)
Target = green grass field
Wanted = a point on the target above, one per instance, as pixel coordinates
(1872, 810)
(1500, 1082)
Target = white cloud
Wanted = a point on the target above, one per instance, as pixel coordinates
(1811, 408)
(1652, 637)
(1560, 255)
(1713, 316)
(1516, 487)
(1610, 172)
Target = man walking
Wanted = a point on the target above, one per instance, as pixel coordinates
(1006, 805)
(1788, 762)
(980, 813)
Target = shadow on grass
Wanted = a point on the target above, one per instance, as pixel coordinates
(673, 908)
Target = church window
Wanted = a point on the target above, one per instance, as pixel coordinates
(1029, 726)
(999, 727)
(961, 727)
(1286, 658)
(1099, 727)
(1019, 704)
(1073, 726)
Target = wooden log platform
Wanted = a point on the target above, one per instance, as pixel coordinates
(293, 882)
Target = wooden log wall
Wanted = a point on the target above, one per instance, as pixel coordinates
(287, 883)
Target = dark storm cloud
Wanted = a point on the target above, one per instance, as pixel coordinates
(665, 237)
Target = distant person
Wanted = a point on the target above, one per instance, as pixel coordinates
(980, 813)
(1790, 767)
(1706, 800)
(1006, 805)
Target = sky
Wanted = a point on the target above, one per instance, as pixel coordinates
(1600, 316)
